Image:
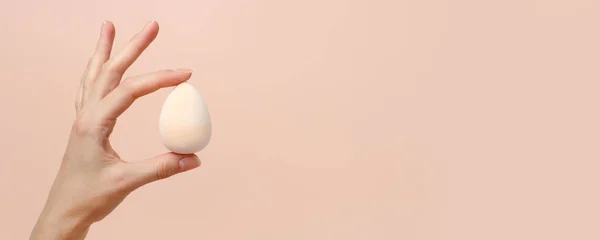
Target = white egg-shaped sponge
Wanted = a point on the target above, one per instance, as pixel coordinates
(184, 123)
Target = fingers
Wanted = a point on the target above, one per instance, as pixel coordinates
(101, 55)
(117, 101)
(134, 48)
(114, 68)
(159, 167)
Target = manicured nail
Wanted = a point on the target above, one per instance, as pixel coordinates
(183, 70)
(189, 163)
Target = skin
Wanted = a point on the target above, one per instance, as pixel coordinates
(93, 180)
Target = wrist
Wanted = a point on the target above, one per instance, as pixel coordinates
(50, 227)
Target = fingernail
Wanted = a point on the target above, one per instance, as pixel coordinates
(189, 163)
(102, 28)
(150, 23)
(183, 70)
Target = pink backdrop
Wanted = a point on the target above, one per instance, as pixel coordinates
(336, 119)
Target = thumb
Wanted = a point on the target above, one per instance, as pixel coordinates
(161, 167)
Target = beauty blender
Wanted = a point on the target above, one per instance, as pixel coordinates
(184, 123)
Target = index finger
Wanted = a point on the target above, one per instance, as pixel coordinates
(117, 101)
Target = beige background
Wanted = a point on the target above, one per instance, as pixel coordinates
(333, 119)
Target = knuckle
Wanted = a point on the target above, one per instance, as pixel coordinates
(105, 128)
(112, 68)
(82, 127)
(164, 170)
(85, 126)
(90, 61)
(128, 86)
(108, 66)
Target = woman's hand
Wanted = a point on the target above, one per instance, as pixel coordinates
(93, 179)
